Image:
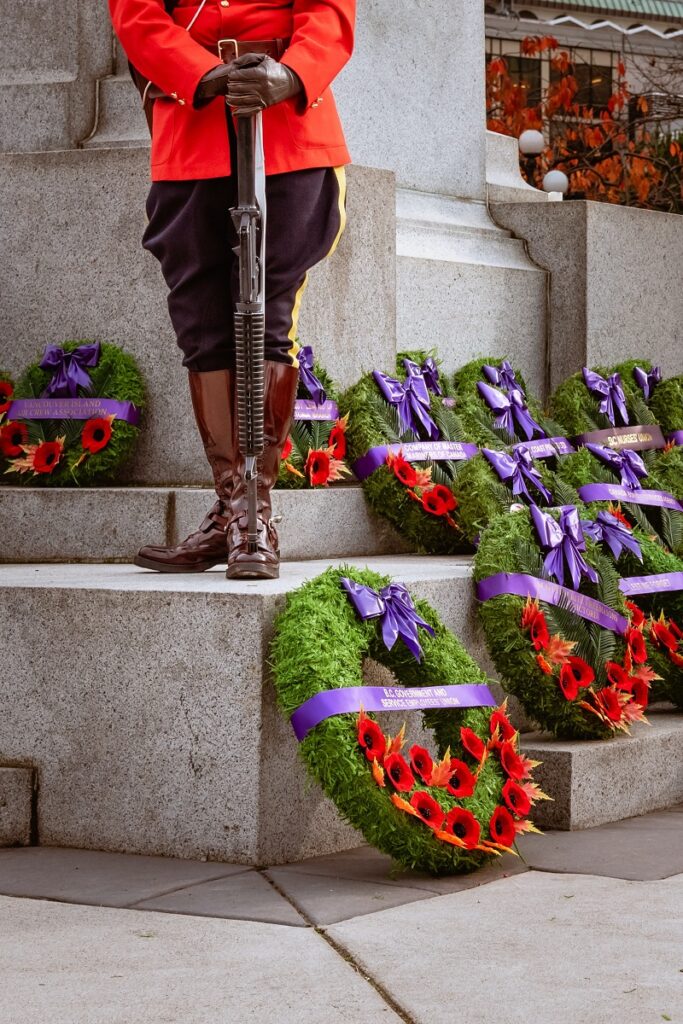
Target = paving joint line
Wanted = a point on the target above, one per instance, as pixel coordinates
(188, 885)
(344, 954)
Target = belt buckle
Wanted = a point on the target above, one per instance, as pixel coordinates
(235, 50)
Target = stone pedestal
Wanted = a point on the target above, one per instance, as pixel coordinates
(16, 800)
(615, 281)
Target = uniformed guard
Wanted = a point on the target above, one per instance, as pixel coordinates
(197, 63)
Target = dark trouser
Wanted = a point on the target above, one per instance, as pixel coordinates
(191, 234)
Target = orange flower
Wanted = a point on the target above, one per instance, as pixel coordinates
(433, 503)
(6, 392)
(402, 470)
(637, 616)
(287, 450)
(96, 433)
(378, 774)
(464, 826)
(337, 441)
(472, 743)
(544, 665)
(428, 809)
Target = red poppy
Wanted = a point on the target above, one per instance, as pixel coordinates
(428, 809)
(403, 471)
(446, 495)
(640, 691)
(539, 632)
(318, 467)
(675, 630)
(96, 435)
(512, 762)
(433, 503)
(421, 762)
(396, 767)
(337, 440)
(371, 738)
(502, 827)
(608, 701)
(500, 721)
(46, 456)
(636, 643)
(13, 436)
(575, 673)
(287, 450)
(472, 744)
(617, 675)
(6, 392)
(663, 635)
(462, 782)
(516, 798)
(637, 616)
(464, 826)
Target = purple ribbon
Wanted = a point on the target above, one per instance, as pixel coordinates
(413, 451)
(394, 607)
(73, 409)
(517, 470)
(430, 372)
(611, 394)
(307, 377)
(564, 543)
(513, 414)
(646, 380)
(614, 492)
(502, 376)
(676, 436)
(305, 409)
(521, 585)
(411, 399)
(546, 448)
(607, 529)
(68, 373)
(658, 583)
(387, 698)
(626, 462)
(637, 438)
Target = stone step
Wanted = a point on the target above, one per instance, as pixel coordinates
(594, 783)
(144, 702)
(16, 803)
(121, 121)
(110, 524)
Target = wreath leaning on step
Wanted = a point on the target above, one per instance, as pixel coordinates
(415, 496)
(73, 448)
(556, 623)
(447, 811)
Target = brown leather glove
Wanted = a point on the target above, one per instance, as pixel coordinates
(256, 81)
(214, 83)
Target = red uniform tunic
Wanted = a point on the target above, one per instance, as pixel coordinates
(298, 133)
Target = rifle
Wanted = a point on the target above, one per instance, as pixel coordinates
(249, 218)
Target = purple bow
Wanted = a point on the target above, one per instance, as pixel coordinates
(646, 380)
(513, 414)
(502, 376)
(394, 606)
(411, 399)
(518, 468)
(564, 542)
(430, 372)
(307, 377)
(629, 464)
(608, 530)
(613, 399)
(68, 373)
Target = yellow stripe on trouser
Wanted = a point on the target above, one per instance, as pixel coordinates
(340, 174)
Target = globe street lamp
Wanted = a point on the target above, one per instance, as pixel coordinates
(531, 145)
(556, 182)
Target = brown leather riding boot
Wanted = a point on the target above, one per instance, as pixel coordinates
(280, 391)
(212, 401)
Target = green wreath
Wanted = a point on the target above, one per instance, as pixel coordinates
(475, 414)
(565, 670)
(575, 406)
(416, 497)
(315, 452)
(480, 490)
(69, 452)
(402, 805)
